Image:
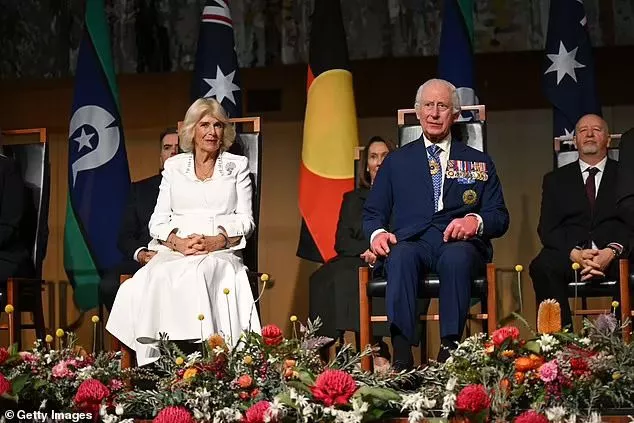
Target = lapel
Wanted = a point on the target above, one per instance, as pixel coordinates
(457, 152)
(577, 189)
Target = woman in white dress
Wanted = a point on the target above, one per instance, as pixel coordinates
(202, 218)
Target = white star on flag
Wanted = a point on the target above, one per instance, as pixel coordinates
(568, 137)
(564, 63)
(84, 140)
(222, 86)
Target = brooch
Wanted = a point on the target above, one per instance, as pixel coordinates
(469, 197)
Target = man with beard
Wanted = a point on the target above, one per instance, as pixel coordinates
(579, 220)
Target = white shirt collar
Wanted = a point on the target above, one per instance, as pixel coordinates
(601, 165)
(444, 144)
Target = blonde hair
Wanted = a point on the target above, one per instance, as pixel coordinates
(199, 109)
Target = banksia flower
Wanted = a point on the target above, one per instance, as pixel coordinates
(549, 317)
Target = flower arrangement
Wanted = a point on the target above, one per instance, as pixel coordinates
(553, 376)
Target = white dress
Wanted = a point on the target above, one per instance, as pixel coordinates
(169, 293)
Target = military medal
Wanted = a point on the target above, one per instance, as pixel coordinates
(469, 197)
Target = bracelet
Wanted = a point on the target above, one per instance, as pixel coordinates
(226, 239)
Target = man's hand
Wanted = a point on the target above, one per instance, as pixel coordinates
(381, 243)
(461, 229)
(604, 258)
(369, 257)
(590, 267)
(144, 256)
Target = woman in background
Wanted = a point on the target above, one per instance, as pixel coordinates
(334, 287)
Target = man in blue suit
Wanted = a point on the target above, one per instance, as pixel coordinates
(444, 203)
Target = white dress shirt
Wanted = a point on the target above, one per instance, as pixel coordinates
(599, 175)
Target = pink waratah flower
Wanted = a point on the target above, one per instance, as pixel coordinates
(257, 413)
(531, 417)
(504, 333)
(272, 335)
(90, 394)
(473, 399)
(61, 370)
(334, 387)
(548, 371)
(173, 415)
(4, 354)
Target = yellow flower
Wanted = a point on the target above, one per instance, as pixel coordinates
(248, 360)
(293, 318)
(8, 309)
(615, 304)
(519, 268)
(190, 373)
(264, 277)
(48, 339)
(95, 319)
(616, 376)
(576, 266)
(179, 361)
(226, 291)
(59, 333)
(201, 317)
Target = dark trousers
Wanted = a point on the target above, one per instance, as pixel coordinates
(109, 284)
(551, 272)
(457, 263)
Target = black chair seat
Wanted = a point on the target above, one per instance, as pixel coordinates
(429, 287)
(594, 288)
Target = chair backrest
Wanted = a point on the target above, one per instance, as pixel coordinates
(472, 131)
(249, 144)
(565, 152)
(29, 149)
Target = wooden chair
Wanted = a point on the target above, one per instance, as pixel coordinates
(565, 154)
(29, 149)
(472, 132)
(249, 144)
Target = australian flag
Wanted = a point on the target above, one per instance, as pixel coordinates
(216, 72)
(568, 74)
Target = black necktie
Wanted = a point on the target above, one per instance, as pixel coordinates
(591, 187)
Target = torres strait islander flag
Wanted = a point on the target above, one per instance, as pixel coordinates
(330, 133)
(98, 175)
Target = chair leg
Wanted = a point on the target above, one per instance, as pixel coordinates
(15, 318)
(365, 306)
(624, 286)
(38, 315)
(492, 298)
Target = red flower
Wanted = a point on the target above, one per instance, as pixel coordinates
(90, 394)
(245, 381)
(4, 354)
(272, 335)
(579, 366)
(5, 385)
(257, 412)
(504, 333)
(531, 417)
(473, 399)
(334, 387)
(173, 415)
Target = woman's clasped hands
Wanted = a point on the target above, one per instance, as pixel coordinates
(196, 244)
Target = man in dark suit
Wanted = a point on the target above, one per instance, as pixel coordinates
(134, 235)
(15, 260)
(579, 221)
(444, 203)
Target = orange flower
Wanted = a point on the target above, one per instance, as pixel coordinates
(216, 341)
(489, 348)
(243, 395)
(245, 381)
(190, 373)
(549, 317)
(289, 363)
(255, 393)
(505, 385)
(508, 353)
(519, 377)
(523, 364)
(537, 360)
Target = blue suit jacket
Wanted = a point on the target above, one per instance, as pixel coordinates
(403, 196)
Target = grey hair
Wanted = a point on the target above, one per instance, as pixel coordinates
(199, 109)
(455, 99)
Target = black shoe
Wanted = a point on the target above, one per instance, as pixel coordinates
(447, 346)
(402, 348)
